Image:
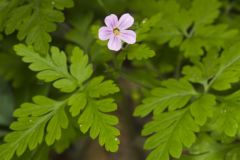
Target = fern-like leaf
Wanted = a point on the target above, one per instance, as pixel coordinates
(228, 71)
(139, 52)
(226, 118)
(187, 28)
(95, 119)
(173, 95)
(169, 132)
(33, 20)
(202, 108)
(54, 67)
(88, 95)
(29, 129)
(206, 148)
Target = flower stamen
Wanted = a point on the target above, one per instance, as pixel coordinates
(116, 31)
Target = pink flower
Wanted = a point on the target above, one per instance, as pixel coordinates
(117, 31)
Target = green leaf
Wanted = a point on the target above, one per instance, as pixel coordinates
(50, 69)
(228, 72)
(54, 67)
(94, 117)
(189, 28)
(202, 108)
(138, 52)
(61, 4)
(69, 136)
(34, 20)
(55, 125)
(202, 71)
(204, 11)
(97, 87)
(173, 95)
(208, 37)
(217, 72)
(146, 26)
(226, 118)
(169, 132)
(77, 103)
(29, 129)
(206, 148)
(86, 99)
(41, 153)
(6, 7)
(80, 68)
(100, 124)
(173, 24)
(79, 33)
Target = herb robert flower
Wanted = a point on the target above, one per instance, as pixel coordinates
(117, 31)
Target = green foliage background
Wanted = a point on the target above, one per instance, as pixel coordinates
(175, 92)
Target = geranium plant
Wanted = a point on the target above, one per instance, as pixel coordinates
(119, 79)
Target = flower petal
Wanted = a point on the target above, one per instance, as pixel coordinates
(111, 21)
(114, 43)
(104, 33)
(125, 21)
(128, 36)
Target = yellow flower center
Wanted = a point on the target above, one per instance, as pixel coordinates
(116, 31)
